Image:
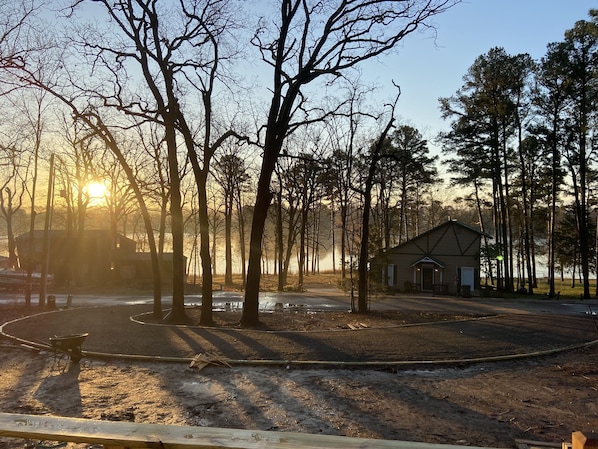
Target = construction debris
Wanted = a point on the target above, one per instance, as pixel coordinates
(581, 440)
(531, 444)
(200, 361)
(357, 326)
(578, 441)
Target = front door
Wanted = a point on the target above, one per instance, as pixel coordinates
(427, 278)
(468, 277)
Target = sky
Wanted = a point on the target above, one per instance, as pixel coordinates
(428, 68)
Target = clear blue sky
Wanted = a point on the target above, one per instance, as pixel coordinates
(427, 69)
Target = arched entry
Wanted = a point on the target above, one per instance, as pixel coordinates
(427, 272)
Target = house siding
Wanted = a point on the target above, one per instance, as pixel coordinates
(432, 261)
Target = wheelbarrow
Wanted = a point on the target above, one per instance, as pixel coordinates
(68, 345)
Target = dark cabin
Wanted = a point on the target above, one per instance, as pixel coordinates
(445, 259)
(94, 257)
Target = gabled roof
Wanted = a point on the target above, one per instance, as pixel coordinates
(62, 233)
(448, 223)
(428, 259)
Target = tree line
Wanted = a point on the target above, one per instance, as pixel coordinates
(159, 88)
(161, 100)
(522, 140)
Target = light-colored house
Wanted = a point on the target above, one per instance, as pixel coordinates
(444, 260)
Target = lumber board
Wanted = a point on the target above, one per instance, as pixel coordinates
(535, 443)
(143, 435)
(579, 440)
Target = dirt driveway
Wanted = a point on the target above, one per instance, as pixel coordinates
(480, 404)
(385, 338)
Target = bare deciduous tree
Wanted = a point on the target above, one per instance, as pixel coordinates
(374, 158)
(317, 40)
(230, 173)
(13, 188)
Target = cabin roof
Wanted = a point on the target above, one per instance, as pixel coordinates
(428, 259)
(443, 225)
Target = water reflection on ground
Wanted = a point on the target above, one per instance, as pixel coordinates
(328, 299)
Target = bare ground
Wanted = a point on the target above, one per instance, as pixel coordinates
(488, 405)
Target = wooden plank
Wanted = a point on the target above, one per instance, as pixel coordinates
(142, 435)
(581, 441)
(535, 443)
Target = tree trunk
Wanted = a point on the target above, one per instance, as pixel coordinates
(177, 314)
(279, 238)
(344, 236)
(46, 243)
(32, 212)
(362, 268)
(204, 251)
(478, 202)
(554, 183)
(584, 241)
(250, 316)
(241, 221)
(507, 225)
(526, 216)
(333, 236)
(228, 226)
(13, 261)
(302, 231)
(147, 221)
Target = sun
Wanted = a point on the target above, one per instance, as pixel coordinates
(96, 192)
